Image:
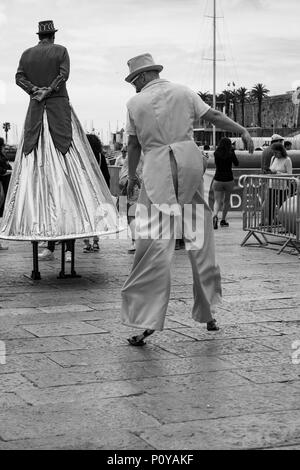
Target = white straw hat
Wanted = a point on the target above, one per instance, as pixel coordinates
(141, 63)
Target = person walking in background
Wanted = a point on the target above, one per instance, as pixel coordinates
(5, 172)
(121, 158)
(97, 148)
(280, 164)
(268, 153)
(160, 124)
(48, 253)
(223, 183)
(266, 158)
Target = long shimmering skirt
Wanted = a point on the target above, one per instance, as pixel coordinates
(58, 197)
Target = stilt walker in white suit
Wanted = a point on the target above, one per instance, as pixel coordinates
(160, 123)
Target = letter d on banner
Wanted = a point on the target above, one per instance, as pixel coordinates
(2, 353)
(235, 204)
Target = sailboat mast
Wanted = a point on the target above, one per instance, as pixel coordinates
(214, 66)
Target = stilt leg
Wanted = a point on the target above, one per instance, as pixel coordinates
(62, 274)
(73, 272)
(35, 275)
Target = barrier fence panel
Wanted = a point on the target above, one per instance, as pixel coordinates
(271, 207)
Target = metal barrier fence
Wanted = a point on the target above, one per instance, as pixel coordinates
(271, 207)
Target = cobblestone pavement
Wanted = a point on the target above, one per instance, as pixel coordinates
(70, 380)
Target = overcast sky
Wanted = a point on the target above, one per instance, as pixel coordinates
(257, 43)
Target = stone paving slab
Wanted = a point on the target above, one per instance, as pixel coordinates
(65, 308)
(81, 393)
(101, 440)
(122, 371)
(286, 328)
(17, 311)
(72, 418)
(37, 345)
(10, 382)
(58, 317)
(11, 289)
(279, 343)
(279, 373)
(62, 329)
(104, 297)
(256, 359)
(239, 331)
(216, 347)
(190, 382)
(258, 431)
(14, 333)
(217, 403)
(10, 400)
(284, 314)
(102, 306)
(103, 355)
(24, 362)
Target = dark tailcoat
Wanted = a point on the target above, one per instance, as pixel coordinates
(46, 65)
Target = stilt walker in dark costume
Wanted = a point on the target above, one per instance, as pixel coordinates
(57, 191)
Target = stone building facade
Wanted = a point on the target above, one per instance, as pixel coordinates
(278, 112)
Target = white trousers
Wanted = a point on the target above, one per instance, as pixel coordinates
(146, 292)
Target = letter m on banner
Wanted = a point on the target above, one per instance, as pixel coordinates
(194, 226)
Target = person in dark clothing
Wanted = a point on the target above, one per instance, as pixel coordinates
(96, 146)
(288, 145)
(5, 169)
(223, 183)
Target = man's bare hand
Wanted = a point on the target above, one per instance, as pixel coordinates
(40, 94)
(132, 182)
(247, 139)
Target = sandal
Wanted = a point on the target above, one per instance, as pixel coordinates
(139, 340)
(212, 325)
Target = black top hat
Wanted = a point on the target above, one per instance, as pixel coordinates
(46, 27)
